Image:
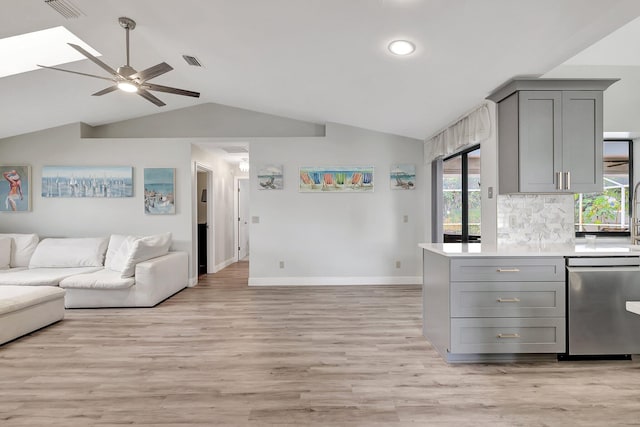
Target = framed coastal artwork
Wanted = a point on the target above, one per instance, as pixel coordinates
(402, 177)
(336, 179)
(87, 181)
(15, 190)
(270, 177)
(159, 191)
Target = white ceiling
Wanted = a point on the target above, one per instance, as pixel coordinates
(315, 60)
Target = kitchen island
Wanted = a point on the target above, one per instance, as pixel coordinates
(483, 303)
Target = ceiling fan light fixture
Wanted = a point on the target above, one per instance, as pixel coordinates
(401, 47)
(127, 87)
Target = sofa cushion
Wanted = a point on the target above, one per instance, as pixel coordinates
(69, 252)
(22, 248)
(5, 252)
(101, 279)
(133, 250)
(14, 298)
(42, 276)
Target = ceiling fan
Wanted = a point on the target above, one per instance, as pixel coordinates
(126, 78)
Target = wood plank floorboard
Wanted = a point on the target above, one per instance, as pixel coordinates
(222, 353)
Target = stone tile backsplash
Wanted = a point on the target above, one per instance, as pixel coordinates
(536, 220)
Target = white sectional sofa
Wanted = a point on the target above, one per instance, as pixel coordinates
(120, 271)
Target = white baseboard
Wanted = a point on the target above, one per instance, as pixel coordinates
(334, 281)
(223, 264)
(192, 282)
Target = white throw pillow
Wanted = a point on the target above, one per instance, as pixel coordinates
(120, 249)
(5, 252)
(138, 250)
(70, 252)
(115, 249)
(22, 248)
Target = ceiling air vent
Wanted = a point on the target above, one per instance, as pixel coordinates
(192, 60)
(65, 8)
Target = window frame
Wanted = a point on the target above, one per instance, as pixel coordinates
(464, 237)
(629, 201)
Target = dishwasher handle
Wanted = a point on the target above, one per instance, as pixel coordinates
(631, 261)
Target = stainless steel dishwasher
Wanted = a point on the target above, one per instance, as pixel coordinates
(598, 323)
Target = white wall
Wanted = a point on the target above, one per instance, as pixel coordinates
(322, 238)
(334, 238)
(66, 217)
(489, 179)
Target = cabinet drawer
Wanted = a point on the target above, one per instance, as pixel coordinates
(508, 299)
(508, 335)
(507, 269)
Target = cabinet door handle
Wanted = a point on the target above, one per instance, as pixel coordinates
(508, 300)
(567, 180)
(508, 336)
(508, 270)
(558, 180)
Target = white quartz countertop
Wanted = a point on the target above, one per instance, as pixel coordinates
(604, 248)
(633, 306)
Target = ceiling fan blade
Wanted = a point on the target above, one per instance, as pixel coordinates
(105, 91)
(152, 72)
(77, 72)
(146, 95)
(93, 59)
(173, 90)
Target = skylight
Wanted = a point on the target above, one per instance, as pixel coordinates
(19, 54)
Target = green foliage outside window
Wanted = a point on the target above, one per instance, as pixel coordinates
(600, 208)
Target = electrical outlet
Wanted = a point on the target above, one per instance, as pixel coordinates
(281, 264)
(405, 218)
(255, 220)
(397, 264)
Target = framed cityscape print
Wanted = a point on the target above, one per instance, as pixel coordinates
(87, 181)
(15, 191)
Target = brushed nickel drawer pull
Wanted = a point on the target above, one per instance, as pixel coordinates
(508, 300)
(508, 335)
(508, 270)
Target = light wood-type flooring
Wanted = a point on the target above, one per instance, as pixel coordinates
(223, 353)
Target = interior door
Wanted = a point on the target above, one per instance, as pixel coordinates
(243, 219)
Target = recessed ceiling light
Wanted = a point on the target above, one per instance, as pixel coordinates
(401, 47)
(19, 54)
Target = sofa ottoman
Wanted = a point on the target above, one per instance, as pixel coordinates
(24, 309)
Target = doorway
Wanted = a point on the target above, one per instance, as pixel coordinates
(242, 223)
(204, 220)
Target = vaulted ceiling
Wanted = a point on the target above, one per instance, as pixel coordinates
(312, 60)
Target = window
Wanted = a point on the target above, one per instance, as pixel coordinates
(608, 212)
(461, 197)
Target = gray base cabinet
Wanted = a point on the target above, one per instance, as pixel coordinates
(494, 305)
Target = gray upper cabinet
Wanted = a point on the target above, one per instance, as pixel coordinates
(550, 135)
